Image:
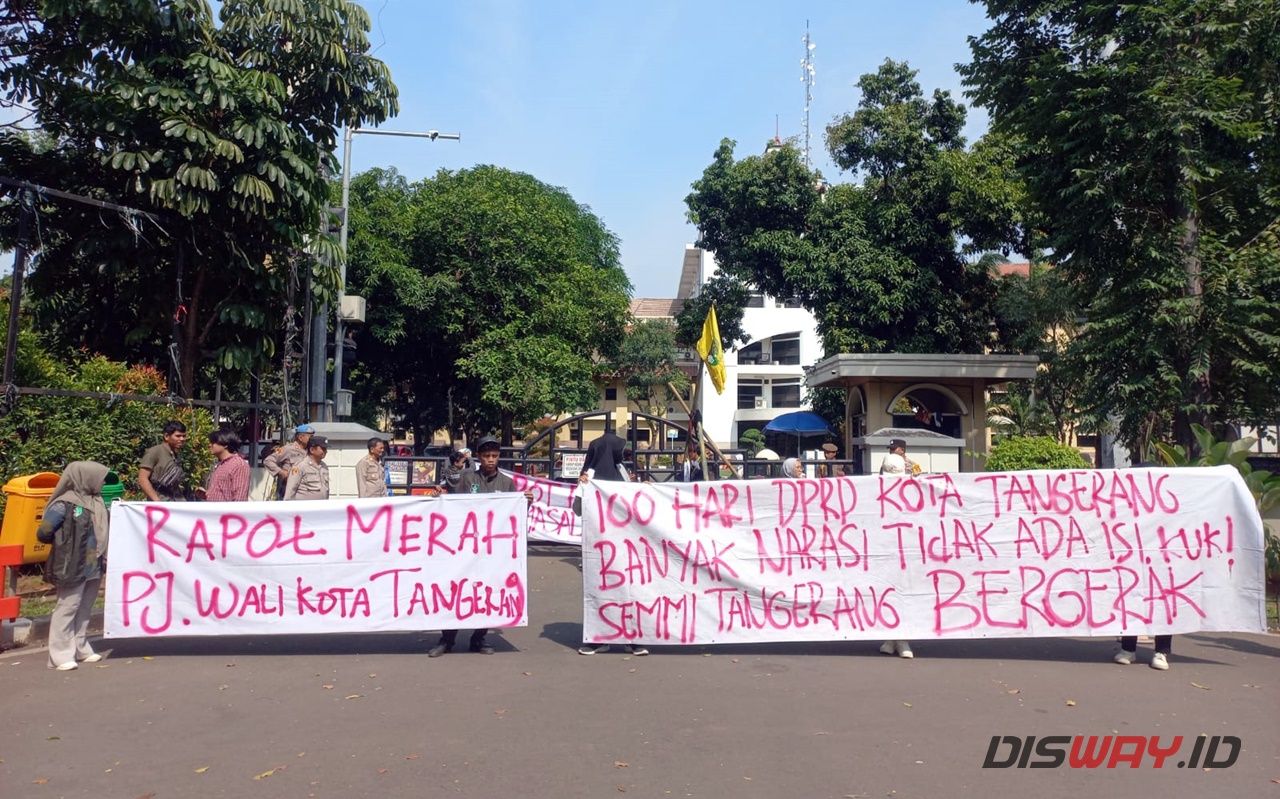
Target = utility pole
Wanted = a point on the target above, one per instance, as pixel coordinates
(26, 202)
(339, 327)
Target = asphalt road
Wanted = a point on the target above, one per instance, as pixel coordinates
(371, 716)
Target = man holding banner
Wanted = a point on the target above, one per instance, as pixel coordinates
(489, 480)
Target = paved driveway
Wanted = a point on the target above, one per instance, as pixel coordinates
(370, 716)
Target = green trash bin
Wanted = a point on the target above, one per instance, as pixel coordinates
(112, 489)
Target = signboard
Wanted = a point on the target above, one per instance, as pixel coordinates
(571, 464)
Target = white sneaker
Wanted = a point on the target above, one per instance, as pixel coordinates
(1160, 661)
(72, 666)
(94, 658)
(637, 650)
(889, 648)
(592, 649)
(903, 649)
(1124, 657)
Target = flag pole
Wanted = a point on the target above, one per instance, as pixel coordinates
(736, 474)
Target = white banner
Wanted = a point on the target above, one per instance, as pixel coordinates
(362, 565)
(551, 516)
(1010, 554)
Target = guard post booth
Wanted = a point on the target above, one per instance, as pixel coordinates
(937, 403)
(348, 443)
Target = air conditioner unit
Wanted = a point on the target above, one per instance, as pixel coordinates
(765, 357)
(761, 403)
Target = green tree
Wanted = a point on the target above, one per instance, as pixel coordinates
(224, 128)
(492, 297)
(647, 361)
(1149, 145)
(878, 262)
(1040, 314)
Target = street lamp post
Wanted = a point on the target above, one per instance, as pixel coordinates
(348, 136)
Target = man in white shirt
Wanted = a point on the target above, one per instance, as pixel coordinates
(896, 464)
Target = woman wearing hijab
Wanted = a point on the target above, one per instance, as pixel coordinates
(791, 469)
(75, 523)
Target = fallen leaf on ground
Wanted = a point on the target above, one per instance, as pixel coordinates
(908, 704)
(1013, 691)
(1201, 687)
(1071, 703)
(40, 781)
(411, 757)
(54, 738)
(631, 671)
(355, 696)
(148, 657)
(327, 687)
(231, 665)
(500, 711)
(528, 674)
(382, 771)
(373, 675)
(748, 779)
(622, 789)
(106, 771)
(620, 764)
(265, 774)
(733, 660)
(202, 769)
(223, 687)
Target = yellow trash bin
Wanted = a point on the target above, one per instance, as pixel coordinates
(23, 510)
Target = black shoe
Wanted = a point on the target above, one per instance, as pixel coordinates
(482, 649)
(438, 650)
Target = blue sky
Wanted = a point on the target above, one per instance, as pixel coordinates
(623, 104)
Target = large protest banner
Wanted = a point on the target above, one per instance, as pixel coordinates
(551, 516)
(249, 568)
(1052, 553)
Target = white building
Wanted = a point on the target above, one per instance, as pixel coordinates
(763, 378)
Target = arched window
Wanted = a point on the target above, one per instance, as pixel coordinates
(929, 406)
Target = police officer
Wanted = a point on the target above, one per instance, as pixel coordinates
(281, 462)
(371, 478)
(310, 478)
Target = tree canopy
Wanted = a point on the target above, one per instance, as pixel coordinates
(1148, 136)
(492, 296)
(223, 128)
(879, 262)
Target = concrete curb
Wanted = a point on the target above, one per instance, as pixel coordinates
(23, 633)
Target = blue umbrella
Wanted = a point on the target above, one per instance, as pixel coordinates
(799, 423)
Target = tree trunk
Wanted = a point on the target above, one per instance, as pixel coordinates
(191, 339)
(1198, 394)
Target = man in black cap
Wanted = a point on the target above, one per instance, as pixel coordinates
(488, 480)
(310, 478)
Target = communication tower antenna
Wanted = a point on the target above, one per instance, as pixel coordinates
(807, 76)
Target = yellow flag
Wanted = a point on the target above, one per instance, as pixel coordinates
(710, 350)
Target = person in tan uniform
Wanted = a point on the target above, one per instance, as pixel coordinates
(371, 478)
(310, 478)
(281, 462)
